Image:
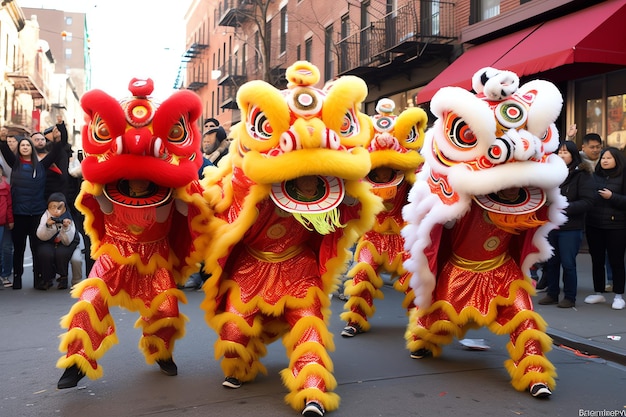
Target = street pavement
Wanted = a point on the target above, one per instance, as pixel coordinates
(375, 375)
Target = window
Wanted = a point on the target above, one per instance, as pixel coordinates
(430, 12)
(257, 50)
(244, 59)
(68, 20)
(68, 53)
(329, 56)
(298, 53)
(308, 49)
(600, 107)
(67, 37)
(483, 9)
(344, 55)
(283, 29)
(364, 41)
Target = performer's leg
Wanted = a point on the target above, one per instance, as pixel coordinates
(529, 343)
(427, 333)
(402, 285)
(309, 377)
(239, 343)
(162, 324)
(91, 332)
(362, 289)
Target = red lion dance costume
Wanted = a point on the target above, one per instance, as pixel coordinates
(279, 247)
(395, 156)
(478, 219)
(140, 198)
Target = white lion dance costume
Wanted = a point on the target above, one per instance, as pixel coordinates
(289, 203)
(395, 156)
(478, 219)
(140, 198)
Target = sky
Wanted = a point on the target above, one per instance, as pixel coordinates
(130, 38)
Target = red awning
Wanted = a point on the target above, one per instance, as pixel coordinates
(593, 35)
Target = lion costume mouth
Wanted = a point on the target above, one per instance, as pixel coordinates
(330, 193)
(120, 192)
(528, 200)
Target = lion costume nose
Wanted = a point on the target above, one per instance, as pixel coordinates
(137, 141)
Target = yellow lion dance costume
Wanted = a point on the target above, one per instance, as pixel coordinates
(478, 218)
(394, 151)
(289, 204)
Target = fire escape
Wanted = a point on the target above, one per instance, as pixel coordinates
(233, 72)
(409, 36)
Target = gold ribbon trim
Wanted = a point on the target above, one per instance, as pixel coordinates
(274, 257)
(479, 266)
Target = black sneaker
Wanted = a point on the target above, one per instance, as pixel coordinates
(313, 409)
(231, 382)
(70, 377)
(421, 353)
(168, 367)
(351, 330)
(540, 390)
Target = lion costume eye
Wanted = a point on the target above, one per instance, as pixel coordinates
(349, 124)
(413, 135)
(258, 125)
(100, 132)
(459, 132)
(177, 133)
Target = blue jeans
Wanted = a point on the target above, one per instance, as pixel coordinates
(566, 244)
(6, 253)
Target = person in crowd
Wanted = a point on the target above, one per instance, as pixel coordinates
(56, 176)
(6, 244)
(6, 216)
(214, 142)
(606, 226)
(58, 240)
(591, 148)
(75, 180)
(590, 153)
(28, 182)
(566, 240)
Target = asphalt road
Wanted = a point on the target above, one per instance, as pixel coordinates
(376, 377)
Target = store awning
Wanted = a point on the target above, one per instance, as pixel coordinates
(593, 35)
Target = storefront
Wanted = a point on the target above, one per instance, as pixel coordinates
(583, 53)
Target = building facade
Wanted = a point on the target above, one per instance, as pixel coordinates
(44, 59)
(408, 49)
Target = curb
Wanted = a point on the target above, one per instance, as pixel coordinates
(587, 346)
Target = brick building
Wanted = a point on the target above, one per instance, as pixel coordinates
(407, 49)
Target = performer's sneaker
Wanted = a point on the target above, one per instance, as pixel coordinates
(540, 390)
(313, 409)
(351, 330)
(421, 353)
(231, 382)
(168, 367)
(70, 377)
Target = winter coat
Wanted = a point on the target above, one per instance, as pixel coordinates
(6, 203)
(608, 213)
(580, 192)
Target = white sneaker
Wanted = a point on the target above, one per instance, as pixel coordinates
(618, 303)
(595, 299)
